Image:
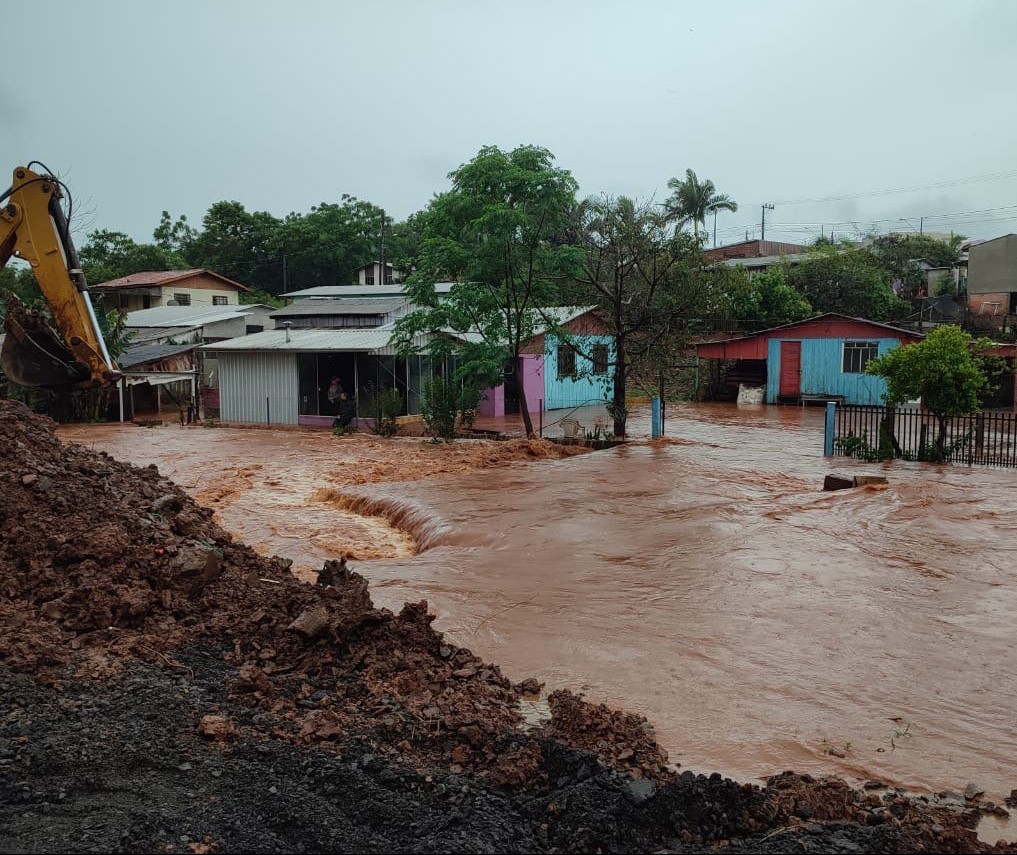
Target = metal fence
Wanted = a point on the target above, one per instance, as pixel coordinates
(883, 433)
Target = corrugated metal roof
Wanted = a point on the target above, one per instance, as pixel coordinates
(352, 306)
(348, 291)
(184, 316)
(140, 354)
(320, 341)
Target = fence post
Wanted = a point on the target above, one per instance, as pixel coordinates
(541, 417)
(831, 407)
(268, 412)
(655, 419)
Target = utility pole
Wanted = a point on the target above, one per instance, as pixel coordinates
(715, 227)
(284, 275)
(762, 230)
(382, 273)
(921, 225)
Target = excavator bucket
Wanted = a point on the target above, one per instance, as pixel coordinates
(33, 355)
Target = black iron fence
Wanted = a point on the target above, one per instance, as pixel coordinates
(909, 433)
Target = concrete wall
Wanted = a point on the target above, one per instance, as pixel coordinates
(258, 388)
(822, 361)
(992, 266)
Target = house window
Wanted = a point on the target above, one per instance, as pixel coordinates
(566, 360)
(857, 355)
(182, 299)
(217, 300)
(369, 279)
(600, 358)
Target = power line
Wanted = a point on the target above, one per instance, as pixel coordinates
(993, 176)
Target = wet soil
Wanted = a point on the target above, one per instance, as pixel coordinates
(166, 688)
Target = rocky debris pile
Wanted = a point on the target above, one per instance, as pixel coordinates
(136, 635)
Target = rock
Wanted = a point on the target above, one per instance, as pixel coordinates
(217, 727)
(837, 482)
(445, 652)
(972, 791)
(29, 479)
(465, 673)
(311, 623)
(640, 789)
(529, 686)
(874, 785)
(168, 502)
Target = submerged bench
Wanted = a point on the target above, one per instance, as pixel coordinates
(817, 399)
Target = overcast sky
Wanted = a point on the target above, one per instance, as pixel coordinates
(143, 107)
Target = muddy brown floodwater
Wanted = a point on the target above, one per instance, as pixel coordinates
(704, 581)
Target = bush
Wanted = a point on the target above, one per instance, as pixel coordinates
(383, 406)
(443, 404)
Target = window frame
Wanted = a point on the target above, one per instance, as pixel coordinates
(565, 352)
(855, 354)
(600, 356)
(220, 300)
(182, 299)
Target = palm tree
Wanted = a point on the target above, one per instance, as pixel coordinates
(691, 201)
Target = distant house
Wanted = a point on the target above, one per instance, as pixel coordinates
(156, 375)
(344, 292)
(335, 313)
(822, 357)
(992, 283)
(169, 288)
(182, 324)
(747, 249)
(371, 274)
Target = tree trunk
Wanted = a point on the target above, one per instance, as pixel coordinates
(524, 407)
(620, 415)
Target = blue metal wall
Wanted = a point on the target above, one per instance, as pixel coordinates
(562, 392)
(822, 360)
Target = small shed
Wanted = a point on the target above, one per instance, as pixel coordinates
(821, 358)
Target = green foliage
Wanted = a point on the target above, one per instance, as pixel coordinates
(945, 286)
(644, 279)
(693, 199)
(499, 234)
(900, 257)
(949, 370)
(846, 280)
(439, 406)
(109, 255)
(233, 241)
(383, 406)
(766, 300)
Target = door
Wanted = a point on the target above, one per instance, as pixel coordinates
(790, 369)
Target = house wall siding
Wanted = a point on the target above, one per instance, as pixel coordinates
(822, 361)
(258, 388)
(585, 388)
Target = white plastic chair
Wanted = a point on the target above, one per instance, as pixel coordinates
(571, 428)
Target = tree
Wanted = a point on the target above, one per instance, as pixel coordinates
(948, 370)
(766, 300)
(692, 200)
(108, 255)
(900, 257)
(631, 271)
(499, 234)
(846, 280)
(235, 243)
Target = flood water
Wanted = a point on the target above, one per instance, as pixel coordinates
(704, 581)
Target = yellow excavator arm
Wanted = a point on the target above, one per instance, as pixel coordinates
(33, 227)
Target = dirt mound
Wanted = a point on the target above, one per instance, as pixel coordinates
(212, 653)
(104, 561)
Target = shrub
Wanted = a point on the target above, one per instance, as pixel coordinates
(383, 406)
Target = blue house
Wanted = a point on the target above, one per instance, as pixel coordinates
(821, 357)
(573, 369)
